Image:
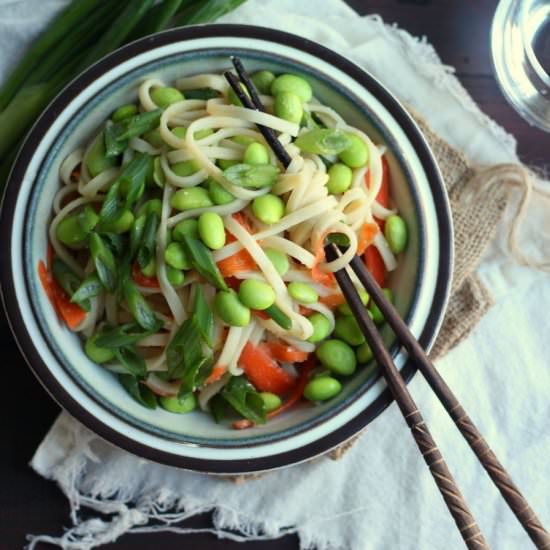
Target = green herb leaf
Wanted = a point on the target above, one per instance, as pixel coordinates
(134, 176)
(252, 176)
(202, 261)
(203, 316)
(218, 407)
(65, 276)
(184, 352)
(114, 146)
(89, 288)
(147, 250)
(140, 124)
(243, 397)
(201, 93)
(139, 308)
(338, 238)
(142, 394)
(136, 234)
(104, 262)
(132, 361)
(87, 219)
(112, 205)
(282, 319)
(323, 141)
(121, 336)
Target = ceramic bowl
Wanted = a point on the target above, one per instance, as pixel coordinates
(89, 392)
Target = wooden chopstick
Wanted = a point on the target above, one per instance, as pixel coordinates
(511, 494)
(450, 492)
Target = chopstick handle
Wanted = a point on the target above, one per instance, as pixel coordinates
(509, 491)
(448, 488)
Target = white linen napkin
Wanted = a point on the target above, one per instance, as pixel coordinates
(380, 495)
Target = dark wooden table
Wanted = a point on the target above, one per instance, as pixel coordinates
(459, 30)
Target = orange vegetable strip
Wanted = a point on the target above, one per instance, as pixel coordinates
(286, 353)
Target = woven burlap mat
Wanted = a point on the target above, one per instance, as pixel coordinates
(475, 221)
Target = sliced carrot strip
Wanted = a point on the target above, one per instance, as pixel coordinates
(366, 236)
(332, 300)
(287, 353)
(375, 264)
(317, 274)
(217, 372)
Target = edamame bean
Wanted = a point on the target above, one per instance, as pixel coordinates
(271, 401)
(294, 84)
(339, 178)
(322, 388)
(124, 111)
(185, 168)
(288, 106)
(88, 218)
(186, 227)
(256, 153)
(150, 270)
(224, 164)
(302, 292)
(374, 310)
(232, 96)
(278, 259)
(218, 194)
(69, 231)
(263, 81)
(321, 327)
(178, 406)
(158, 173)
(152, 205)
(96, 161)
(256, 294)
(122, 224)
(395, 231)
(348, 330)
(153, 137)
(190, 198)
(175, 256)
(176, 277)
(363, 353)
(268, 208)
(243, 140)
(357, 154)
(230, 309)
(337, 356)
(181, 132)
(95, 353)
(344, 308)
(211, 230)
(165, 96)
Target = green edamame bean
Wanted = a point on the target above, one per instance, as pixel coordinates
(186, 227)
(122, 224)
(124, 111)
(243, 140)
(256, 153)
(96, 161)
(395, 231)
(95, 353)
(344, 308)
(302, 292)
(256, 294)
(232, 96)
(224, 164)
(294, 84)
(158, 173)
(218, 194)
(230, 309)
(322, 388)
(176, 277)
(175, 256)
(348, 330)
(190, 198)
(165, 96)
(211, 230)
(152, 205)
(363, 353)
(339, 178)
(150, 270)
(263, 81)
(69, 231)
(185, 168)
(321, 327)
(181, 132)
(357, 154)
(278, 259)
(271, 401)
(88, 218)
(153, 137)
(337, 356)
(268, 208)
(288, 106)
(178, 406)
(374, 310)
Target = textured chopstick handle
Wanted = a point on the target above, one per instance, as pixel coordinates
(447, 486)
(500, 477)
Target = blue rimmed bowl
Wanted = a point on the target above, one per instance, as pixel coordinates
(421, 283)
